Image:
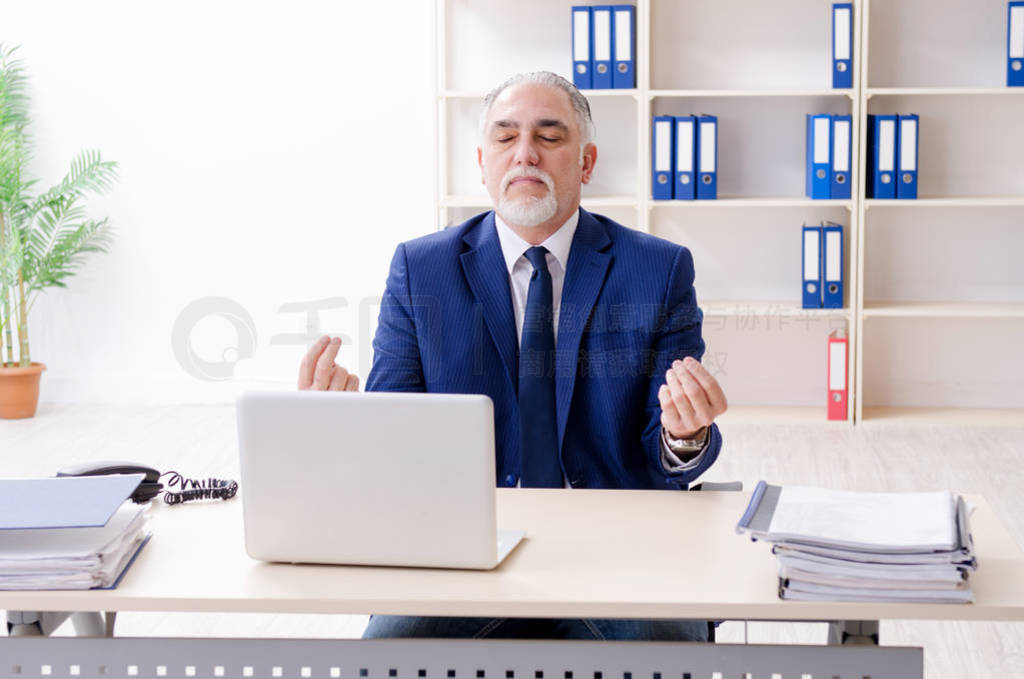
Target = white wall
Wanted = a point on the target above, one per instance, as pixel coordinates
(270, 153)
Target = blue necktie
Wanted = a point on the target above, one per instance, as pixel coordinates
(539, 431)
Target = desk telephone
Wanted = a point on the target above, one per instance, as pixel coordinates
(189, 489)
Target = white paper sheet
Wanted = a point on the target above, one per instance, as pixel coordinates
(898, 522)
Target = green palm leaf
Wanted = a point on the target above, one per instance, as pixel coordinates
(13, 99)
(66, 254)
(89, 174)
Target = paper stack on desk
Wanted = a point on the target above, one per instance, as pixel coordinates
(68, 533)
(834, 545)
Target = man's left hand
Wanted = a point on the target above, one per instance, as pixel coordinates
(691, 399)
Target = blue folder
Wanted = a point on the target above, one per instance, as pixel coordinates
(1015, 44)
(624, 65)
(906, 159)
(819, 156)
(63, 502)
(707, 157)
(811, 267)
(603, 45)
(582, 55)
(686, 157)
(842, 45)
(842, 137)
(881, 166)
(832, 266)
(663, 150)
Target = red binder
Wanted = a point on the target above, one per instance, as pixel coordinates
(838, 376)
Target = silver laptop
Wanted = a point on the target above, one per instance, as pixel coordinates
(370, 478)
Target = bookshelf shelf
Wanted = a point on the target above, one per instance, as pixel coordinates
(944, 92)
(480, 94)
(710, 94)
(954, 417)
(739, 308)
(484, 201)
(943, 310)
(727, 202)
(965, 201)
(780, 415)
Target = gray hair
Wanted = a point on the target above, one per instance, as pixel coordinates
(579, 103)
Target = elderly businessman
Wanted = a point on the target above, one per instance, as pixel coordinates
(584, 333)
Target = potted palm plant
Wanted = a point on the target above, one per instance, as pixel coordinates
(43, 236)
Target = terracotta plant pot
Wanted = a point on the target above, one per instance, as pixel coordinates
(19, 391)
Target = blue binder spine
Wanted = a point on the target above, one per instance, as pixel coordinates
(819, 155)
(707, 157)
(624, 68)
(832, 266)
(882, 165)
(582, 54)
(811, 271)
(686, 156)
(842, 136)
(603, 46)
(842, 45)
(1015, 45)
(908, 136)
(662, 157)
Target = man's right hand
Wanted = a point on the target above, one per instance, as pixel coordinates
(319, 372)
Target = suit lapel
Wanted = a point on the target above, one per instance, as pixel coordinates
(485, 270)
(584, 278)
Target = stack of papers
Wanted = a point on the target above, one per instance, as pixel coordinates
(834, 545)
(69, 533)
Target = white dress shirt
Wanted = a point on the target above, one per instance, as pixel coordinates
(520, 270)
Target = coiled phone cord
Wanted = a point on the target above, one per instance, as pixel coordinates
(197, 489)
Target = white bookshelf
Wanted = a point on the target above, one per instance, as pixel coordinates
(940, 302)
(760, 67)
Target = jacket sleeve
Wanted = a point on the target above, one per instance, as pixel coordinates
(677, 335)
(397, 365)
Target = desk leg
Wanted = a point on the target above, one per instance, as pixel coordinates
(34, 623)
(853, 633)
(45, 623)
(111, 618)
(89, 624)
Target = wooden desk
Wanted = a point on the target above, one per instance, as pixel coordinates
(599, 554)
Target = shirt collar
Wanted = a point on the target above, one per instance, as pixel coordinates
(558, 244)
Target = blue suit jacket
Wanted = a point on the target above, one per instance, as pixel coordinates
(628, 310)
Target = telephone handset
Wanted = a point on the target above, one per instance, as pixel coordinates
(190, 489)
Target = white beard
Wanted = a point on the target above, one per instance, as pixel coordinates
(527, 211)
